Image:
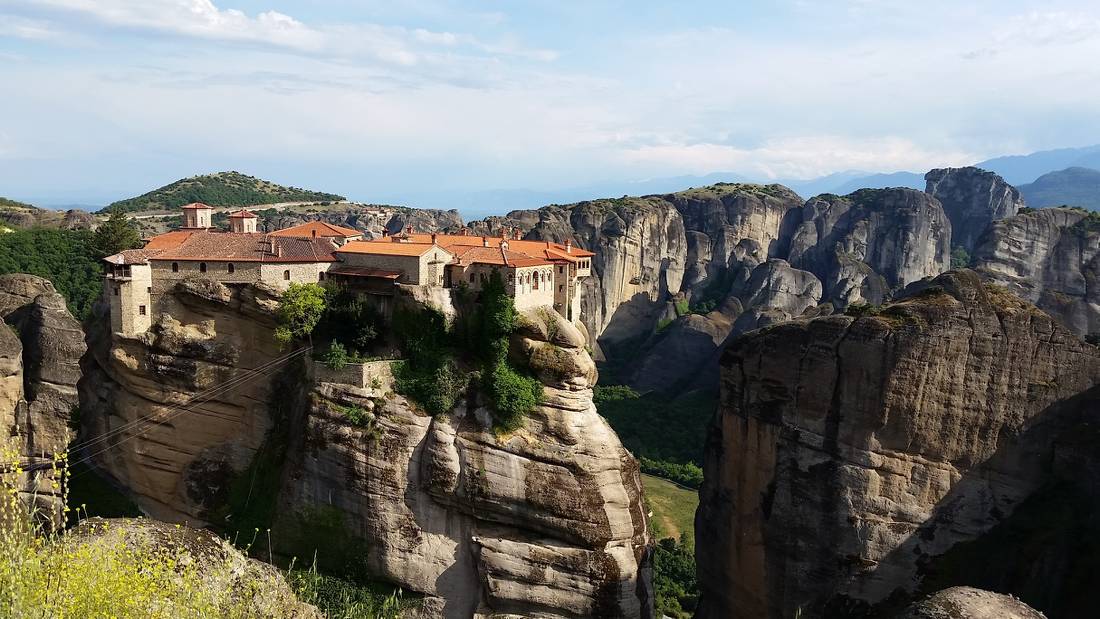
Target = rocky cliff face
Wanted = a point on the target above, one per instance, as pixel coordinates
(867, 244)
(174, 417)
(544, 522)
(972, 198)
(1049, 257)
(851, 454)
(40, 350)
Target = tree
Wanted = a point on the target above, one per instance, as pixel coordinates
(115, 235)
(300, 308)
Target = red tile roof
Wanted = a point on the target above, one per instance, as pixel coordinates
(195, 205)
(543, 249)
(228, 246)
(319, 229)
(243, 214)
(496, 255)
(388, 248)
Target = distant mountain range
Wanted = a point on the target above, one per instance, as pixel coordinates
(1073, 186)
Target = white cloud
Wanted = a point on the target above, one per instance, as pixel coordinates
(23, 28)
(797, 157)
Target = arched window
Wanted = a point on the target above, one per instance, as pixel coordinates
(175, 267)
(286, 275)
(536, 286)
(472, 277)
(229, 267)
(321, 276)
(202, 267)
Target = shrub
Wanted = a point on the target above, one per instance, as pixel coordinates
(300, 309)
(676, 589)
(682, 307)
(337, 356)
(960, 258)
(513, 396)
(46, 573)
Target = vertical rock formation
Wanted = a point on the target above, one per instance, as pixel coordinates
(849, 454)
(864, 245)
(972, 198)
(41, 348)
(547, 521)
(175, 456)
(1049, 257)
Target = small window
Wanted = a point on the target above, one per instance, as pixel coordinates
(286, 275)
(561, 288)
(321, 276)
(536, 284)
(229, 267)
(175, 267)
(471, 278)
(116, 291)
(561, 270)
(141, 310)
(149, 289)
(202, 267)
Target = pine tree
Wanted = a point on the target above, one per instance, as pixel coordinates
(115, 235)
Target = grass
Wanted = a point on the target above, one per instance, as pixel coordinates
(673, 507)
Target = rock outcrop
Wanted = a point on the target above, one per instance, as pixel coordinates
(850, 454)
(175, 414)
(867, 244)
(972, 198)
(970, 603)
(40, 351)
(223, 570)
(1050, 257)
(546, 521)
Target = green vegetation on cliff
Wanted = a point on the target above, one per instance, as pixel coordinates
(220, 189)
(65, 257)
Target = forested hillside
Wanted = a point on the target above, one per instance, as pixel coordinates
(65, 257)
(220, 189)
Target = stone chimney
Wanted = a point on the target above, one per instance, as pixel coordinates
(433, 238)
(465, 232)
(568, 246)
(484, 241)
(408, 229)
(516, 234)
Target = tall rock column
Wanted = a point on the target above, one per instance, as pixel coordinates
(849, 453)
(972, 198)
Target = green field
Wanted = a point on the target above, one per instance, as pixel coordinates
(673, 507)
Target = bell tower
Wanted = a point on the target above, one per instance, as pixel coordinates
(197, 215)
(243, 222)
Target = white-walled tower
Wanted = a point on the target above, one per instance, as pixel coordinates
(243, 221)
(197, 215)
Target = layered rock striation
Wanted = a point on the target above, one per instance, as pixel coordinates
(851, 454)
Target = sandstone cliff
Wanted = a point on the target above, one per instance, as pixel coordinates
(1049, 257)
(851, 454)
(972, 198)
(40, 350)
(865, 245)
(544, 522)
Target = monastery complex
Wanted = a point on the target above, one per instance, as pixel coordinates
(535, 273)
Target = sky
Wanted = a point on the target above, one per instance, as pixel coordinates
(388, 101)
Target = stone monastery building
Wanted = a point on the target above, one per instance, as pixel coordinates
(535, 272)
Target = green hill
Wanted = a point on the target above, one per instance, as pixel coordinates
(220, 189)
(8, 204)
